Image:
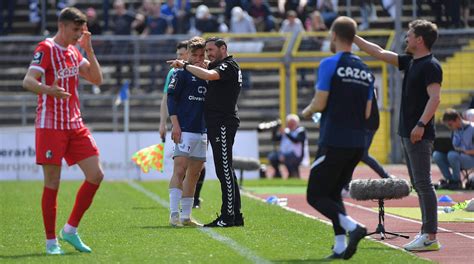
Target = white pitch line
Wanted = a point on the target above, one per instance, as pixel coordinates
(241, 250)
(407, 219)
(324, 221)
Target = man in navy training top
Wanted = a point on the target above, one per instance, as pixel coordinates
(420, 99)
(344, 91)
(181, 54)
(186, 96)
(225, 82)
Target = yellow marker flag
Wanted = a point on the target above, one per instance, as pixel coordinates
(151, 157)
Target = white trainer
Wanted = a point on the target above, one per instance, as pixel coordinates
(423, 243)
(174, 220)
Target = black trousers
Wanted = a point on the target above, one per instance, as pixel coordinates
(222, 136)
(330, 172)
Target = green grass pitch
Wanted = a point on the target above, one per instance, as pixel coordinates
(127, 226)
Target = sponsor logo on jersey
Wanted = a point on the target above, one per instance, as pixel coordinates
(68, 72)
(354, 73)
(195, 98)
(202, 90)
(37, 58)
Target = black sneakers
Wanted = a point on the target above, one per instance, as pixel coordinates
(239, 220)
(227, 221)
(334, 255)
(197, 203)
(354, 237)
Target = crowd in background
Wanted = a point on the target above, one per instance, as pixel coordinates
(156, 17)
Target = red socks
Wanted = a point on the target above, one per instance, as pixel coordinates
(84, 199)
(48, 206)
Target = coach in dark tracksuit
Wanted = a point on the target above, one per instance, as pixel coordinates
(225, 81)
(344, 93)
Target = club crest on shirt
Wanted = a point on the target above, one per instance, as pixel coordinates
(49, 154)
(37, 57)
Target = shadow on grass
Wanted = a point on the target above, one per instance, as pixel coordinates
(31, 255)
(159, 227)
(321, 260)
(145, 208)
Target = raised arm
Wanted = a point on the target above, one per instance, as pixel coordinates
(376, 51)
(205, 74)
(91, 69)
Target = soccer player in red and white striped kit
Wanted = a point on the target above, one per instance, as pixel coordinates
(60, 132)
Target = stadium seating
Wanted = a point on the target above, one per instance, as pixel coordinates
(261, 102)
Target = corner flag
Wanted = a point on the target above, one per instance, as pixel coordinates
(123, 94)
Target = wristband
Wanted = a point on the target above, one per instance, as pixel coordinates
(185, 64)
(420, 124)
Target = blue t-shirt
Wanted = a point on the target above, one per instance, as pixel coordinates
(186, 96)
(350, 85)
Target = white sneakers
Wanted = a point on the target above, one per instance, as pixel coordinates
(422, 243)
(174, 220)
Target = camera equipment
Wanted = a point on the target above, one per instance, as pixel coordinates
(275, 124)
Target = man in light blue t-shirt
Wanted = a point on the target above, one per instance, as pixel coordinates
(462, 157)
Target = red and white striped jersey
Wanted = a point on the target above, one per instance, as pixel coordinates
(55, 61)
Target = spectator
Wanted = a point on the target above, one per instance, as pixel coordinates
(328, 9)
(205, 22)
(8, 5)
(156, 23)
(144, 11)
(368, 13)
(390, 6)
(124, 20)
(183, 13)
(92, 23)
(229, 4)
(241, 22)
(262, 16)
(169, 12)
(315, 22)
(462, 157)
(293, 5)
(292, 147)
(35, 16)
(465, 9)
(453, 11)
(292, 24)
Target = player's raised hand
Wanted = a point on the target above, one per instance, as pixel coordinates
(176, 63)
(85, 40)
(58, 91)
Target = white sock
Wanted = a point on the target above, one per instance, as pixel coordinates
(50, 242)
(186, 207)
(70, 229)
(347, 222)
(175, 197)
(339, 244)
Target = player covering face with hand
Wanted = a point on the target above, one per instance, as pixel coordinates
(60, 133)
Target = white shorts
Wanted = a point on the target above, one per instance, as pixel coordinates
(192, 145)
